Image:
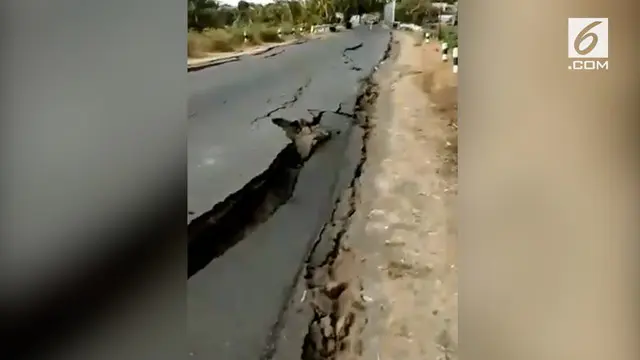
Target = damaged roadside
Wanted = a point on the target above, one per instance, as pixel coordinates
(326, 309)
(336, 302)
(381, 282)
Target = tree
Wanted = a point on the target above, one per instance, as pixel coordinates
(244, 13)
(416, 12)
(201, 12)
(204, 14)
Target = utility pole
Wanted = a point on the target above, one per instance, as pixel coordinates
(439, 22)
(389, 12)
(393, 11)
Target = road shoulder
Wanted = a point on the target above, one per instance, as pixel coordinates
(195, 64)
(395, 271)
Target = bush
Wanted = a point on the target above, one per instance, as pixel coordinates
(287, 28)
(258, 34)
(449, 34)
(218, 40)
(230, 38)
(254, 36)
(237, 36)
(270, 35)
(195, 45)
(209, 41)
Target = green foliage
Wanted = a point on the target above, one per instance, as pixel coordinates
(216, 27)
(201, 43)
(270, 35)
(216, 40)
(416, 12)
(203, 14)
(449, 34)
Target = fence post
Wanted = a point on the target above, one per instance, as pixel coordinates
(455, 60)
(445, 50)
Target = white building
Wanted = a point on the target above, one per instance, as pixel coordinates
(449, 12)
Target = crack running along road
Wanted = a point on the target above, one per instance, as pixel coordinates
(234, 302)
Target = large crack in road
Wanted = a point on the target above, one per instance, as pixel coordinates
(247, 252)
(330, 325)
(285, 104)
(229, 221)
(211, 234)
(348, 60)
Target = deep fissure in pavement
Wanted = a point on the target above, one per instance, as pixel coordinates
(327, 331)
(213, 233)
(355, 47)
(366, 94)
(348, 60)
(287, 103)
(229, 221)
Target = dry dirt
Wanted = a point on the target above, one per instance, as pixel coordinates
(398, 254)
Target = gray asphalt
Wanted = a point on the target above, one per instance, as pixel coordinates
(234, 302)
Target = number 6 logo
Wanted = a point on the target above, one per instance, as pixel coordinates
(588, 38)
(585, 35)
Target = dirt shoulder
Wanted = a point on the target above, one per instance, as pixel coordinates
(398, 253)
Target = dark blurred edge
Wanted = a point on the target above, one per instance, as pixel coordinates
(131, 302)
(92, 297)
(521, 111)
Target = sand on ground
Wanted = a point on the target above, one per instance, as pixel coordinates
(399, 252)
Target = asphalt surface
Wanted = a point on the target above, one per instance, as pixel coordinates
(235, 301)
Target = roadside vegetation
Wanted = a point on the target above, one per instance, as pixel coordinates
(425, 14)
(444, 93)
(441, 85)
(218, 27)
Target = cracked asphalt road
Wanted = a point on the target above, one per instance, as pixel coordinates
(235, 302)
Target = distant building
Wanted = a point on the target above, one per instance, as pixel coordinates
(445, 7)
(449, 12)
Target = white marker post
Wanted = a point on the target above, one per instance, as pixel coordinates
(445, 49)
(312, 29)
(246, 38)
(427, 37)
(279, 32)
(455, 60)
